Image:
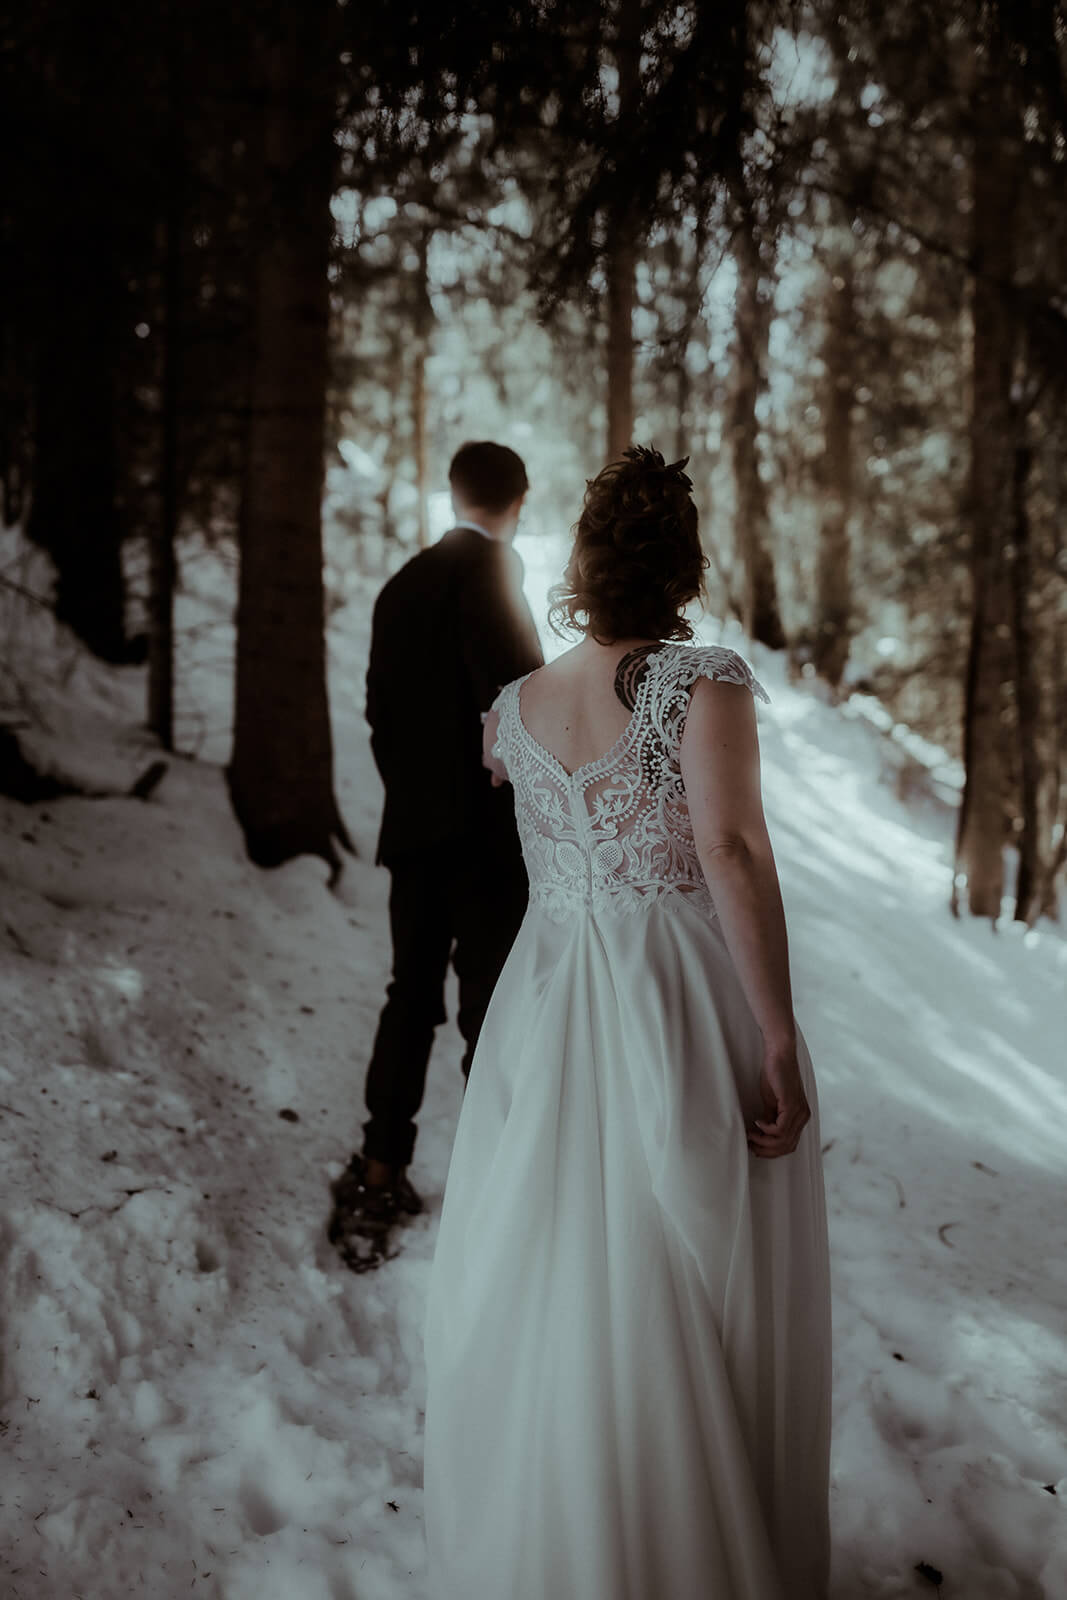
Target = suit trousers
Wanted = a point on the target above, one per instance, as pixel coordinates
(460, 901)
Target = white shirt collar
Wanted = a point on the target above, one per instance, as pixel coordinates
(476, 526)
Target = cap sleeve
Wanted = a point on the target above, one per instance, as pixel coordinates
(505, 706)
(723, 666)
(501, 700)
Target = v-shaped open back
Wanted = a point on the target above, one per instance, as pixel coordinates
(613, 752)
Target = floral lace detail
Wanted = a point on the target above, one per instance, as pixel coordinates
(615, 834)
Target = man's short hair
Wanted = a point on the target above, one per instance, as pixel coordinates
(487, 476)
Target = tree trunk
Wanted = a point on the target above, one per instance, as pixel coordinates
(74, 506)
(988, 704)
(16, 368)
(1056, 866)
(1038, 783)
(281, 772)
(80, 304)
(621, 257)
(396, 391)
(423, 317)
(833, 590)
(762, 618)
(682, 444)
(621, 266)
(693, 301)
(161, 561)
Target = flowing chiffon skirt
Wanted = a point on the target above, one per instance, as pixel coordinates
(628, 1331)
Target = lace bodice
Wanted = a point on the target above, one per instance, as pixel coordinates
(615, 833)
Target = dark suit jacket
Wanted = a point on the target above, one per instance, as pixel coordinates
(449, 630)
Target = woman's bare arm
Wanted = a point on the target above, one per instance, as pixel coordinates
(721, 772)
(496, 767)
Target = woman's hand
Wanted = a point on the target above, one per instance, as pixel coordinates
(785, 1106)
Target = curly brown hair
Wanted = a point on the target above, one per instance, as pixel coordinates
(637, 559)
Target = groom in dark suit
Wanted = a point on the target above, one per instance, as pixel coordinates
(450, 628)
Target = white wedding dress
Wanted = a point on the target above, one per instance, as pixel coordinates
(628, 1335)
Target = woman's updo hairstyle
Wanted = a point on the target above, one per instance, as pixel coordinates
(637, 560)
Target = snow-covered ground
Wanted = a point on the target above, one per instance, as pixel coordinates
(197, 1398)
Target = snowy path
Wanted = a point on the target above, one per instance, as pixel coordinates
(195, 1398)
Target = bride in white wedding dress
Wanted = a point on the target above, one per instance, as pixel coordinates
(628, 1330)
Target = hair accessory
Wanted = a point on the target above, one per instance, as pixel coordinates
(648, 458)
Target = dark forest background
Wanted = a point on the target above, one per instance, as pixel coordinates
(820, 250)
